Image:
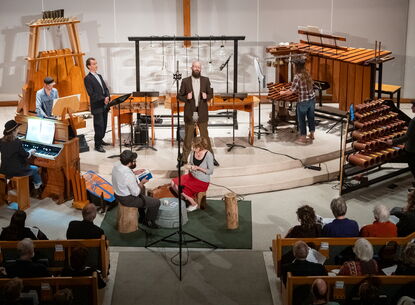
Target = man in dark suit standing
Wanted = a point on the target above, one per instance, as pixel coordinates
(195, 92)
(85, 229)
(99, 96)
(300, 266)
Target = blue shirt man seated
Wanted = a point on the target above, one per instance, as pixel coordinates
(45, 97)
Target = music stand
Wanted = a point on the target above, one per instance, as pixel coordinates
(118, 101)
(261, 78)
(233, 96)
(146, 94)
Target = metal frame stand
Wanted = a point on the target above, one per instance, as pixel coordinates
(260, 126)
(180, 232)
(146, 94)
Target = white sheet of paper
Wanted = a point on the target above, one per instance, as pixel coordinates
(40, 130)
(315, 257)
(390, 270)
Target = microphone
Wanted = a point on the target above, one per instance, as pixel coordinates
(225, 63)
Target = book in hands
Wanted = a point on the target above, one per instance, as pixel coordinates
(145, 175)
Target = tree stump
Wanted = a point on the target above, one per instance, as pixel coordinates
(231, 207)
(127, 219)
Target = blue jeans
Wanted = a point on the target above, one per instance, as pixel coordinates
(35, 174)
(306, 109)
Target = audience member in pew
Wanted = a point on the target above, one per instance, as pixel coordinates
(407, 264)
(340, 226)
(381, 227)
(63, 297)
(300, 266)
(85, 229)
(24, 266)
(369, 292)
(405, 300)
(200, 169)
(14, 158)
(78, 266)
(308, 227)
(130, 192)
(364, 263)
(406, 224)
(12, 291)
(319, 293)
(17, 231)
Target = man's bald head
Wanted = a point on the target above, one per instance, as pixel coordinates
(196, 69)
(319, 290)
(89, 212)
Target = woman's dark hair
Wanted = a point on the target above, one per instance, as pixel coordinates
(17, 222)
(411, 201)
(307, 216)
(303, 74)
(78, 258)
(9, 137)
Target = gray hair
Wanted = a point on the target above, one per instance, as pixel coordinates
(25, 247)
(363, 249)
(338, 207)
(89, 212)
(408, 255)
(381, 213)
(300, 250)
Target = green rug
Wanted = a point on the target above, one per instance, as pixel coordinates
(208, 224)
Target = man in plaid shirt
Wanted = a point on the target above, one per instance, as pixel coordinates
(302, 85)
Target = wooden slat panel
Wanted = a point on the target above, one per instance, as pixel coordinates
(351, 76)
(336, 80)
(368, 57)
(52, 65)
(329, 75)
(322, 70)
(366, 83)
(314, 67)
(358, 85)
(343, 86)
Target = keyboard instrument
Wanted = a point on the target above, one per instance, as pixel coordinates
(46, 151)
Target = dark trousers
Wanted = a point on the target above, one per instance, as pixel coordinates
(100, 126)
(411, 162)
(189, 129)
(141, 202)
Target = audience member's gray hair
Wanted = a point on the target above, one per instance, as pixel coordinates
(25, 247)
(408, 255)
(338, 207)
(381, 213)
(89, 212)
(363, 249)
(300, 250)
(405, 300)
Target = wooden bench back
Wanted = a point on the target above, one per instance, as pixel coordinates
(389, 285)
(58, 252)
(84, 288)
(282, 246)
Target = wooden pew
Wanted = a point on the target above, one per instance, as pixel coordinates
(389, 285)
(281, 246)
(84, 288)
(58, 252)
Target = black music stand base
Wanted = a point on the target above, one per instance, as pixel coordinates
(183, 241)
(232, 145)
(145, 147)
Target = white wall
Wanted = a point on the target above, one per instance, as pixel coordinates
(409, 84)
(106, 24)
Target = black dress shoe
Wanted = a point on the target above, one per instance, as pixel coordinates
(215, 163)
(100, 149)
(103, 143)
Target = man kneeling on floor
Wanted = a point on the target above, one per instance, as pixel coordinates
(129, 191)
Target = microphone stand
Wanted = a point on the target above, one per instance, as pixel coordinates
(226, 64)
(180, 232)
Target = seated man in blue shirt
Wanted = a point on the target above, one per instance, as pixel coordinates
(341, 226)
(45, 97)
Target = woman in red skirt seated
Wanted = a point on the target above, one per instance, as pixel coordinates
(200, 167)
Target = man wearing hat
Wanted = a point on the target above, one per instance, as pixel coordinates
(129, 191)
(45, 97)
(409, 140)
(14, 159)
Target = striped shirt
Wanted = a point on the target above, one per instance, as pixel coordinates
(299, 86)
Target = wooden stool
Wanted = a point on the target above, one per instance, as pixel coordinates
(127, 219)
(201, 200)
(231, 207)
(21, 185)
(391, 90)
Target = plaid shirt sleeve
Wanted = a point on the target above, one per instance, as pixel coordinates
(300, 87)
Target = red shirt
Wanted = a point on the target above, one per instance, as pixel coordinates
(379, 229)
